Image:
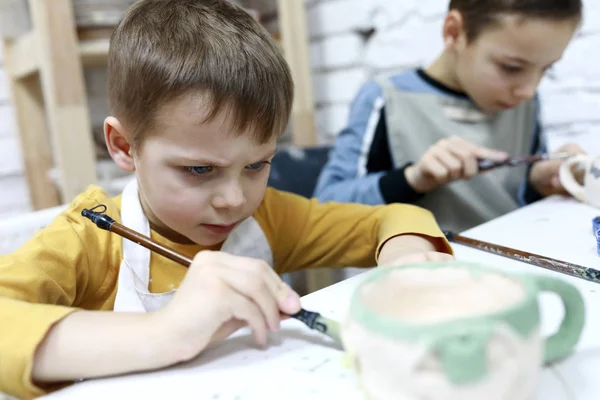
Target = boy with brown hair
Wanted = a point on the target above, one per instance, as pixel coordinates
(417, 136)
(199, 96)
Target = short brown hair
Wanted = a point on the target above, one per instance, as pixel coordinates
(481, 14)
(163, 49)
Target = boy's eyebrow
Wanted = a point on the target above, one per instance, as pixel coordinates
(526, 62)
(270, 154)
(217, 163)
(200, 162)
(189, 158)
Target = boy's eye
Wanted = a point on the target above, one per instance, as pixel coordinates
(258, 165)
(199, 170)
(511, 69)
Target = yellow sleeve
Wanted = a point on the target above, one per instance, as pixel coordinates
(62, 268)
(306, 234)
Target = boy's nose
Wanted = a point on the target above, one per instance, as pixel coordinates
(230, 196)
(524, 93)
(526, 90)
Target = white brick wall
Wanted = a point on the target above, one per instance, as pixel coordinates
(352, 40)
(339, 86)
(4, 93)
(338, 51)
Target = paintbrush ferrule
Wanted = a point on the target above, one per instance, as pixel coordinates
(315, 321)
(310, 318)
(101, 220)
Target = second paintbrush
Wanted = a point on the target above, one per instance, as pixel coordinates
(486, 165)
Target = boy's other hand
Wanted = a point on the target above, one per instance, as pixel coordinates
(222, 293)
(407, 248)
(543, 175)
(448, 160)
(420, 256)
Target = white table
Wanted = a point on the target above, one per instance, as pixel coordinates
(302, 364)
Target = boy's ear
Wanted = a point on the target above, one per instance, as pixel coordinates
(453, 31)
(118, 144)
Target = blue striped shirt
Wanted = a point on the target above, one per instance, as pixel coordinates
(360, 168)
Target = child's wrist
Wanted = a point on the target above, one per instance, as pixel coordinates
(412, 178)
(401, 245)
(167, 341)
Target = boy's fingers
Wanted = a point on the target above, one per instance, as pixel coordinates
(227, 329)
(291, 303)
(287, 300)
(256, 280)
(452, 165)
(433, 168)
(470, 153)
(286, 297)
(244, 309)
(571, 148)
(254, 288)
(258, 272)
(490, 154)
(468, 159)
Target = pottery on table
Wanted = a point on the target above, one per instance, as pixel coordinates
(455, 331)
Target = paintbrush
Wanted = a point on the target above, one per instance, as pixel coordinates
(312, 319)
(578, 271)
(486, 165)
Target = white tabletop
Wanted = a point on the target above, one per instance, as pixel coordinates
(300, 364)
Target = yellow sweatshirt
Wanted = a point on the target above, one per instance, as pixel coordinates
(72, 264)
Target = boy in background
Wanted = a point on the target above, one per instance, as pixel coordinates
(199, 96)
(416, 137)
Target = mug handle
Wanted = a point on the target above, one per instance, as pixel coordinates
(560, 344)
(568, 180)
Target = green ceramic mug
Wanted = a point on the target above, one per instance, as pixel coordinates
(455, 330)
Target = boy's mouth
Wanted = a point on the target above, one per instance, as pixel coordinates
(220, 229)
(506, 106)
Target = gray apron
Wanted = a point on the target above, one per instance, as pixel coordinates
(415, 121)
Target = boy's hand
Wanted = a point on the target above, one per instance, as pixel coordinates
(406, 249)
(543, 175)
(220, 294)
(421, 256)
(446, 161)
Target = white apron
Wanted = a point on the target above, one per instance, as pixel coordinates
(247, 239)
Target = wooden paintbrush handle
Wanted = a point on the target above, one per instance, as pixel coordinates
(150, 245)
(589, 274)
(486, 165)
